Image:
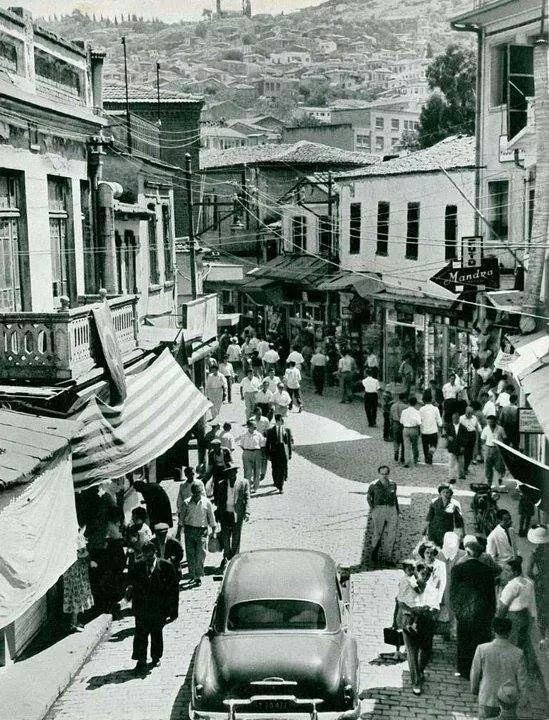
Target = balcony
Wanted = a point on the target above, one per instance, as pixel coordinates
(60, 346)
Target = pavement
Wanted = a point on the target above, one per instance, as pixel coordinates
(323, 507)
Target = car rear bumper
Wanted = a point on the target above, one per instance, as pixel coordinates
(353, 714)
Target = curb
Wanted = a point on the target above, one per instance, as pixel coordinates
(50, 672)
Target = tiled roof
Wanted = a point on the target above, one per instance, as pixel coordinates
(301, 152)
(117, 93)
(454, 152)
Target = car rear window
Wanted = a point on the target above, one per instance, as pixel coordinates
(276, 615)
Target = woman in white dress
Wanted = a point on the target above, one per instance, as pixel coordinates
(216, 388)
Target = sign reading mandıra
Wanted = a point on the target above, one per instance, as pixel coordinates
(457, 279)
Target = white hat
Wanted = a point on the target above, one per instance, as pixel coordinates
(538, 535)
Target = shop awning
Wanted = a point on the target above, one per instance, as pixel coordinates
(263, 291)
(296, 268)
(162, 404)
(151, 336)
(529, 472)
(227, 319)
(509, 301)
(536, 386)
(364, 284)
(529, 356)
(28, 443)
(421, 301)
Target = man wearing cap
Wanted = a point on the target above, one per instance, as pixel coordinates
(498, 674)
(252, 443)
(167, 548)
(278, 448)
(197, 516)
(281, 400)
(232, 500)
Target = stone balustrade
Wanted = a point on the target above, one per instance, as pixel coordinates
(62, 345)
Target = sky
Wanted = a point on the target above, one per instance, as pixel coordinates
(168, 10)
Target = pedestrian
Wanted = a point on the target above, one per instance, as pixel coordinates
(410, 419)
(509, 421)
(262, 424)
(249, 387)
(431, 423)
(292, 379)
(137, 534)
(407, 597)
(436, 394)
(472, 599)
(296, 357)
(495, 664)
(184, 493)
(487, 400)
(234, 356)
(279, 442)
(319, 363)
(501, 543)
(384, 511)
(206, 439)
(455, 437)
(197, 517)
(386, 402)
(157, 502)
(256, 363)
(407, 372)
(224, 342)
(372, 363)
(418, 631)
(271, 358)
(272, 379)
(232, 500)
(396, 426)
(216, 390)
(346, 368)
(281, 400)
(112, 563)
(226, 369)
(436, 584)
(218, 459)
(472, 429)
(252, 443)
(262, 346)
(444, 515)
(227, 438)
(504, 397)
(493, 461)
(450, 391)
(167, 548)
(517, 602)
(153, 589)
(264, 399)
(370, 383)
(538, 571)
(450, 554)
(77, 594)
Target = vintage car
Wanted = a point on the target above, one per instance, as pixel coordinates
(279, 643)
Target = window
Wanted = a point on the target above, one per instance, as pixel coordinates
(412, 234)
(394, 142)
(61, 238)
(299, 233)
(354, 228)
(380, 123)
(8, 53)
(10, 221)
(276, 615)
(450, 232)
(153, 249)
(383, 209)
(521, 87)
(325, 235)
(498, 75)
(167, 241)
(498, 192)
(363, 141)
(87, 236)
(395, 124)
(380, 143)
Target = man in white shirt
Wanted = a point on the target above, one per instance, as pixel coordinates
(226, 369)
(450, 392)
(410, 419)
(270, 359)
(252, 442)
(371, 359)
(472, 430)
(346, 368)
(262, 424)
(249, 387)
(262, 347)
(292, 378)
(282, 400)
(296, 357)
(431, 422)
(319, 361)
(371, 396)
(264, 399)
(489, 406)
(493, 460)
(272, 379)
(234, 355)
(504, 398)
(501, 543)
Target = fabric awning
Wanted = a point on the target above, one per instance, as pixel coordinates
(536, 386)
(364, 284)
(162, 405)
(227, 319)
(293, 268)
(529, 357)
(151, 336)
(529, 472)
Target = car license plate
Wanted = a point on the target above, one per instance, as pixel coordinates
(273, 705)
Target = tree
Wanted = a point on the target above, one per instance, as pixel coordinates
(233, 54)
(451, 108)
(409, 140)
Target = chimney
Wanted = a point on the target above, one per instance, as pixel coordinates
(96, 62)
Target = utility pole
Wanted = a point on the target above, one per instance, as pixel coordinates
(158, 92)
(128, 118)
(540, 223)
(192, 255)
(330, 216)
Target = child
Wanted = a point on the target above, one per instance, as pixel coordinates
(227, 438)
(526, 510)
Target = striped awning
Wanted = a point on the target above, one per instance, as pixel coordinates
(161, 406)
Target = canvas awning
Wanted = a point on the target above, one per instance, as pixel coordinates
(536, 386)
(151, 336)
(227, 319)
(161, 406)
(529, 472)
(529, 356)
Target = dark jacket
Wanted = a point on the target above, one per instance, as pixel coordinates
(158, 504)
(456, 441)
(276, 449)
(172, 550)
(472, 592)
(439, 521)
(216, 463)
(155, 597)
(241, 498)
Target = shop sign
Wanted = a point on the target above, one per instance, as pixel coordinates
(471, 250)
(528, 422)
(456, 279)
(199, 317)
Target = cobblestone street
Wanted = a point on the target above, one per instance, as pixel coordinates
(323, 507)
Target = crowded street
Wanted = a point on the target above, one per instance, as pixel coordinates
(323, 507)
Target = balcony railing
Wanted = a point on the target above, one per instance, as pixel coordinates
(58, 91)
(62, 345)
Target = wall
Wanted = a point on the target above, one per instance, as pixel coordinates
(398, 190)
(340, 136)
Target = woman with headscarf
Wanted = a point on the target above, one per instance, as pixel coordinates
(518, 603)
(451, 554)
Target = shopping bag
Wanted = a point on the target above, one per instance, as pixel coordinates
(214, 546)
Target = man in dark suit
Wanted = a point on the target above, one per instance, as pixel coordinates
(456, 439)
(232, 500)
(155, 596)
(167, 548)
(279, 450)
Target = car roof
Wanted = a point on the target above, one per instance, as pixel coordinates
(282, 573)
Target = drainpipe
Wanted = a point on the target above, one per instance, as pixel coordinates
(106, 193)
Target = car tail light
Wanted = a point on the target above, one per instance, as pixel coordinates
(198, 690)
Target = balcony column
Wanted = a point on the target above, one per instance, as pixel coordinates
(106, 192)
